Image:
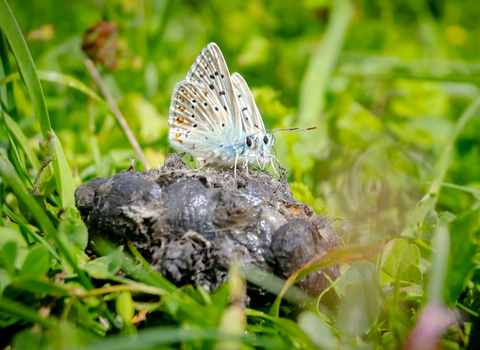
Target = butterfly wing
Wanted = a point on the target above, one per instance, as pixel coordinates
(210, 70)
(198, 123)
(250, 114)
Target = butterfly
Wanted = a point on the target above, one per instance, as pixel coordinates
(214, 118)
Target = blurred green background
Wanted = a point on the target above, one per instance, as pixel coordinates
(392, 86)
(385, 85)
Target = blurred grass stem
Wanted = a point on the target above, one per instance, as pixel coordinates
(445, 159)
(114, 107)
(23, 312)
(322, 62)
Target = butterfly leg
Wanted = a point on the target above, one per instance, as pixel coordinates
(245, 166)
(273, 166)
(258, 163)
(276, 159)
(205, 163)
(235, 167)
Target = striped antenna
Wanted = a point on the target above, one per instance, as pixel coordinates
(294, 130)
(275, 129)
(282, 129)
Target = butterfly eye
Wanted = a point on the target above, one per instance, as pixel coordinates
(249, 141)
(265, 139)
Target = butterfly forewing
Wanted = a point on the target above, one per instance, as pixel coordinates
(196, 120)
(211, 70)
(250, 114)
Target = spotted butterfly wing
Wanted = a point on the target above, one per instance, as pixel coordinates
(211, 70)
(198, 123)
(250, 114)
(204, 116)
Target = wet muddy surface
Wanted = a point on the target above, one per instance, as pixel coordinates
(190, 224)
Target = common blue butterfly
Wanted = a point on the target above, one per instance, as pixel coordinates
(214, 118)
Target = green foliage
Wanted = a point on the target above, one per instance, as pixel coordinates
(462, 251)
(393, 88)
(29, 74)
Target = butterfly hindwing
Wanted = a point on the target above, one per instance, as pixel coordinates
(210, 69)
(250, 114)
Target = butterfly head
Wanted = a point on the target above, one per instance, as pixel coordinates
(259, 144)
(268, 140)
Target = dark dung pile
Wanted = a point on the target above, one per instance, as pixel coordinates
(190, 224)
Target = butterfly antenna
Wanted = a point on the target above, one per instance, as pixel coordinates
(261, 130)
(294, 130)
(291, 129)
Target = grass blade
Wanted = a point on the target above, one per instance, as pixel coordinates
(17, 158)
(338, 256)
(116, 111)
(322, 63)
(285, 325)
(136, 287)
(137, 267)
(462, 188)
(9, 78)
(154, 337)
(26, 66)
(7, 172)
(11, 177)
(22, 140)
(443, 163)
(67, 80)
(355, 64)
(35, 237)
(275, 284)
(439, 269)
(19, 310)
(6, 93)
(59, 78)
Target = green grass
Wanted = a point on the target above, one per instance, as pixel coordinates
(392, 87)
(29, 74)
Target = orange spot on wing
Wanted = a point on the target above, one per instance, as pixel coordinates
(179, 141)
(183, 100)
(182, 108)
(177, 136)
(185, 93)
(180, 120)
(205, 92)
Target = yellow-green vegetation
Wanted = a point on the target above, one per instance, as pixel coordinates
(393, 88)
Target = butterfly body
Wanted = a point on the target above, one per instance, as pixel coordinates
(214, 118)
